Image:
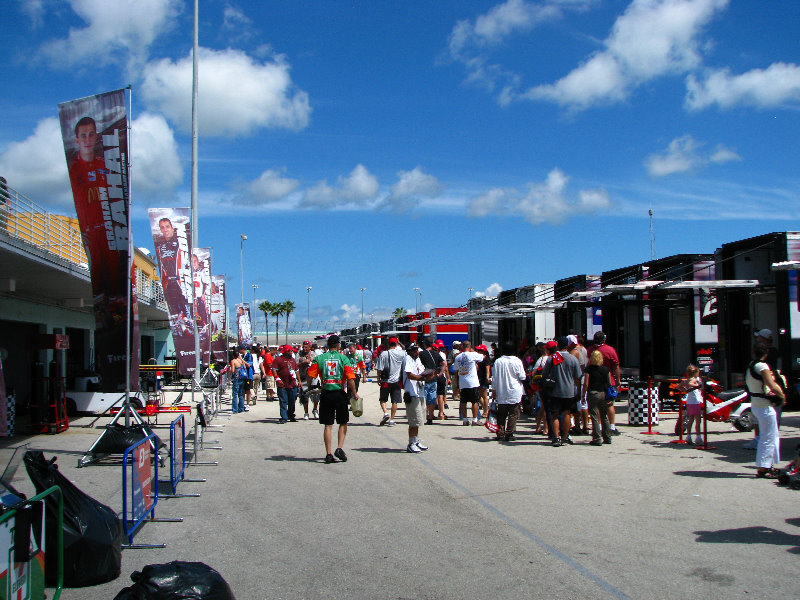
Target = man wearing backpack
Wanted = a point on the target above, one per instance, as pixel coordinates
(241, 374)
(564, 371)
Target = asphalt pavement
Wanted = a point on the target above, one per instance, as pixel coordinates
(469, 518)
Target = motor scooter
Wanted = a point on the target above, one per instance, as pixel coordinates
(723, 406)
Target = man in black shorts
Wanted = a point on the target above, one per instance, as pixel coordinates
(566, 371)
(336, 373)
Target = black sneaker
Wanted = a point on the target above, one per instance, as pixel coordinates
(556, 443)
(567, 441)
(607, 441)
(329, 459)
(510, 437)
(596, 443)
(614, 432)
(339, 453)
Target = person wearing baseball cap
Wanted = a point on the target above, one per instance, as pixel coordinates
(284, 367)
(389, 367)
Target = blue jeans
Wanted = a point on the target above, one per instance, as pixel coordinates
(430, 393)
(237, 396)
(287, 398)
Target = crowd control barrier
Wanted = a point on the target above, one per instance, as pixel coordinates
(22, 566)
(177, 458)
(143, 478)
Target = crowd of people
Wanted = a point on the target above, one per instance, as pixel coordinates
(565, 385)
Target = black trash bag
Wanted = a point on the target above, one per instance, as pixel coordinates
(93, 534)
(117, 438)
(177, 580)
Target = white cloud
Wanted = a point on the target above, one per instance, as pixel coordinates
(652, 38)
(358, 188)
(239, 94)
(469, 41)
(270, 186)
(37, 167)
(776, 85)
(544, 202)
(411, 187)
(114, 32)
(35, 11)
(491, 292)
(684, 154)
(156, 171)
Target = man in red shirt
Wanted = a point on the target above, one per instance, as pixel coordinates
(286, 377)
(610, 362)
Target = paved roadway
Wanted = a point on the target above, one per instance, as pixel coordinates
(470, 518)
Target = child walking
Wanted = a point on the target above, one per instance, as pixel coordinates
(692, 386)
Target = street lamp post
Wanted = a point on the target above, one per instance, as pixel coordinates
(416, 306)
(470, 295)
(253, 311)
(308, 307)
(362, 305)
(242, 238)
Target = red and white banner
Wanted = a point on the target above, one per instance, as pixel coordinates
(172, 239)
(95, 134)
(219, 318)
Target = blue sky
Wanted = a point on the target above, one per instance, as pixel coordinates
(439, 145)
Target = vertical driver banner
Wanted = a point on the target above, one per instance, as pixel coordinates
(172, 239)
(95, 134)
(219, 318)
(243, 325)
(201, 264)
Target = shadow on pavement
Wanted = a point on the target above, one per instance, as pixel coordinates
(751, 535)
(714, 474)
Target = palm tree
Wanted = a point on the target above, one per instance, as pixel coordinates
(276, 310)
(399, 313)
(288, 308)
(266, 307)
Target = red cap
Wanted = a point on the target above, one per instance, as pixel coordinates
(481, 348)
(285, 349)
(438, 344)
(550, 345)
(393, 340)
(307, 342)
(358, 347)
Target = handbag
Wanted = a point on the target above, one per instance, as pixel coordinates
(611, 392)
(547, 383)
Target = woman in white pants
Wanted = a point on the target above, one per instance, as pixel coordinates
(765, 395)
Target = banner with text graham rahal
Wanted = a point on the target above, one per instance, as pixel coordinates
(172, 239)
(219, 319)
(95, 134)
(201, 266)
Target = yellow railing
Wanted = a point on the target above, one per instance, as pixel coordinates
(23, 219)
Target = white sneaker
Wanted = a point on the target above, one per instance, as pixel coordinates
(315, 414)
(413, 448)
(384, 420)
(246, 409)
(305, 417)
(476, 421)
(390, 423)
(420, 445)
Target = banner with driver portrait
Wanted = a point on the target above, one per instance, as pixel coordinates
(172, 239)
(95, 135)
(201, 267)
(219, 320)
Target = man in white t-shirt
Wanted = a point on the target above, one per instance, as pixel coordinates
(257, 360)
(414, 377)
(508, 375)
(389, 367)
(466, 367)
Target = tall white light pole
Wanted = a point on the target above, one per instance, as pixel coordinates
(195, 229)
(362, 305)
(242, 238)
(470, 295)
(308, 307)
(416, 306)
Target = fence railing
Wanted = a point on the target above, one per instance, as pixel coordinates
(23, 219)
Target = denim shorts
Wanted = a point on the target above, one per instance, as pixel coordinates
(430, 392)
